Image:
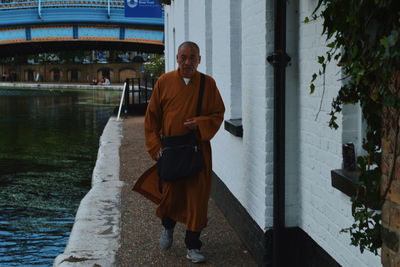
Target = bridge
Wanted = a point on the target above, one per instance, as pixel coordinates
(35, 26)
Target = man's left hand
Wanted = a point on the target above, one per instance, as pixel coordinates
(191, 124)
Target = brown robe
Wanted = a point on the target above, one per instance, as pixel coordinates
(171, 103)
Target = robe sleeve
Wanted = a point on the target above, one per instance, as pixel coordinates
(153, 123)
(210, 123)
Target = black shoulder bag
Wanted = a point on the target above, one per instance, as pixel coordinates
(181, 156)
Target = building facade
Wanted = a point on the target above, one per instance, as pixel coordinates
(235, 38)
(70, 73)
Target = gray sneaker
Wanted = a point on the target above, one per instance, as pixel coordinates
(166, 238)
(195, 256)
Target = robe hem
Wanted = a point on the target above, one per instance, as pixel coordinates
(138, 187)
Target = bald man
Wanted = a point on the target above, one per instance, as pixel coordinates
(171, 111)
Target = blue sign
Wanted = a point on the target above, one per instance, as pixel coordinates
(143, 8)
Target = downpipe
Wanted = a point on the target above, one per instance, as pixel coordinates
(279, 59)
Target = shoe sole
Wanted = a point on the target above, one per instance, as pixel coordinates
(195, 261)
(165, 247)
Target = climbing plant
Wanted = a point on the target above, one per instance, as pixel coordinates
(363, 37)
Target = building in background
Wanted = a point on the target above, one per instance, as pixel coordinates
(104, 29)
(79, 69)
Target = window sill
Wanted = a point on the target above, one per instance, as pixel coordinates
(234, 127)
(345, 181)
(348, 183)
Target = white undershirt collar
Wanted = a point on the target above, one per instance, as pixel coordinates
(186, 80)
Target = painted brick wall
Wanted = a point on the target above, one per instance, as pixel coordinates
(257, 111)
(323, 211)
(240, 162)
(292, 112)
(179, 14)
(197, 29)
(221, 49)
(175, 34)
(313, 149)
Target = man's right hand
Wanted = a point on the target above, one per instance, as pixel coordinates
(159, 155)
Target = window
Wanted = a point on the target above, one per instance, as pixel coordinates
(234, 124)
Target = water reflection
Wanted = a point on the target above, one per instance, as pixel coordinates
(48, 146)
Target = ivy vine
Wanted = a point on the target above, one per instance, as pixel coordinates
(363, 37)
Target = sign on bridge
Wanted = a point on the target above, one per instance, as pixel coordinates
(143, 8)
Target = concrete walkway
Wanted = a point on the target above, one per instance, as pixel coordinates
(140, 227)
(115, 226)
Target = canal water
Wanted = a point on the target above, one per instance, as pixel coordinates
(48, 148)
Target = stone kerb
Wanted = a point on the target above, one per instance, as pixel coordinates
(95, 236)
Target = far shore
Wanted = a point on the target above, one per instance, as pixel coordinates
(47, 85)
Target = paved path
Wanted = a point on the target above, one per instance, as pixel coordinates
(140, 228)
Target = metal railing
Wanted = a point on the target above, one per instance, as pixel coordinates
(38, 4)
(137, 94)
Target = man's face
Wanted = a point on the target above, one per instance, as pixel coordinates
(188, 59)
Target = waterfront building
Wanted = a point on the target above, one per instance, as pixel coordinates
(236, 39)
(98, 27)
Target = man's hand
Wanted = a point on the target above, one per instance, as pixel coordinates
(158, 156)
(191, 124)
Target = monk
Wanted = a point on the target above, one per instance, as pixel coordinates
(171, 111)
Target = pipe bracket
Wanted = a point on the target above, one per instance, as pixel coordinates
(279, 58)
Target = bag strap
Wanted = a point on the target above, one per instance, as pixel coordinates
(201, 93)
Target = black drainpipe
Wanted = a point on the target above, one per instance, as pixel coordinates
(279, 59)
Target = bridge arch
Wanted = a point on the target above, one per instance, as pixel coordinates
(55, 25)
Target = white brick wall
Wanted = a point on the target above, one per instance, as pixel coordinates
(323, 210)
(240, 163)
(197, 28)
(175, 34)
(292, 122)
(221, 49)
(312, 148)
(257, 110)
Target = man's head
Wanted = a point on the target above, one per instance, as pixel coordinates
(188, 58)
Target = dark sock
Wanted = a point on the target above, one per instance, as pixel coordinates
(192, 240)
(168, 223)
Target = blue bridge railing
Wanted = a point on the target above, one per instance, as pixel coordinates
(38, 4)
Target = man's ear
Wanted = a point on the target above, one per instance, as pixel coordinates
(177, 59)
(199, 59)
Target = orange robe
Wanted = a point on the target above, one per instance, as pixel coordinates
(171, 103)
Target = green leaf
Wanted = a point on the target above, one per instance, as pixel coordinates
(384, 42)
(314, 76)
(331, 45)
(312, 88)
